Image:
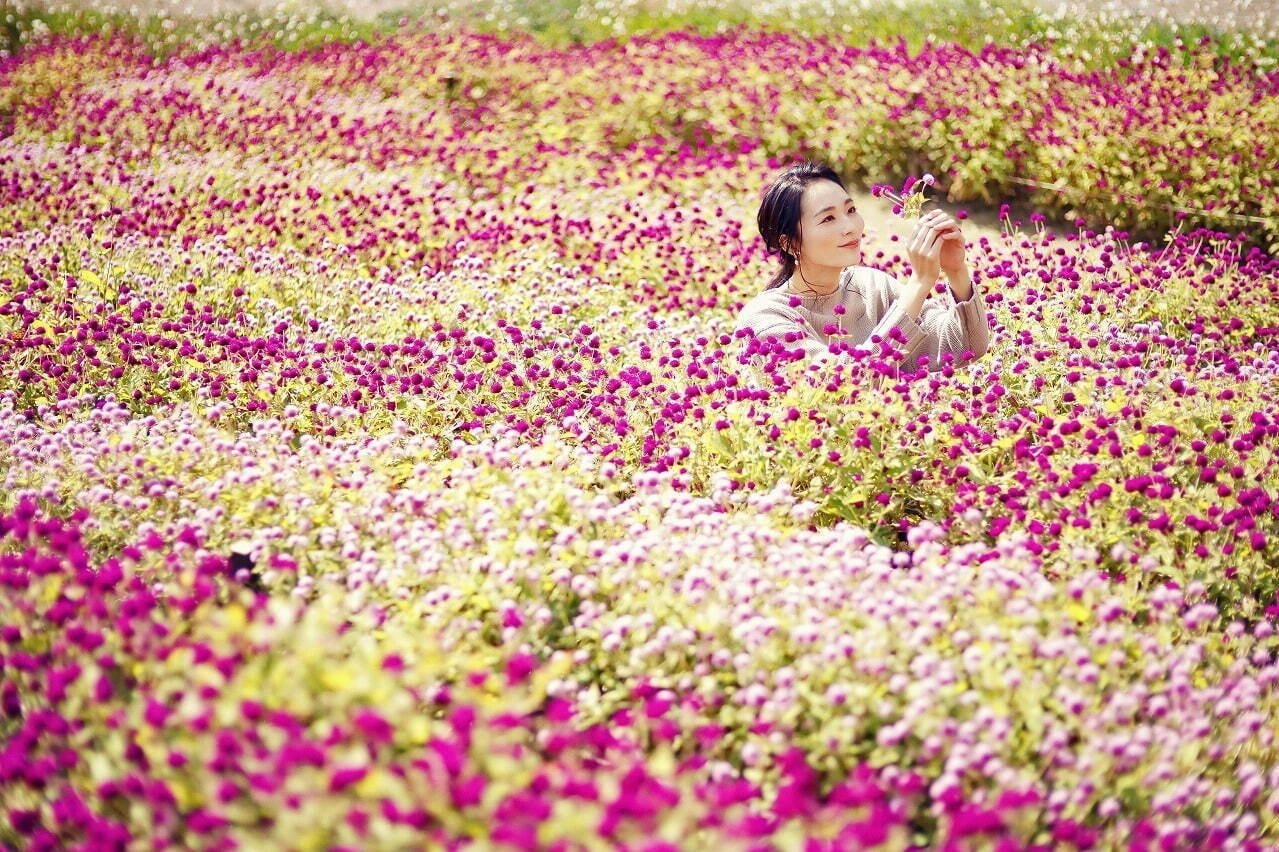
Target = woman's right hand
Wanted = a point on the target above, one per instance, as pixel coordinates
(925, 245)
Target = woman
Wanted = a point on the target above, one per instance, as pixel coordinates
(821, 294)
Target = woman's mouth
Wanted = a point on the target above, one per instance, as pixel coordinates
(849, 245)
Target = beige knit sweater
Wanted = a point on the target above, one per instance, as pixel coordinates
(871, 307)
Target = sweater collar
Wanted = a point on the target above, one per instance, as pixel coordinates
(818, 300)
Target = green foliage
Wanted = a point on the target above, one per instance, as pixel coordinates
(971, 23)
(162, 34)
(989, 138)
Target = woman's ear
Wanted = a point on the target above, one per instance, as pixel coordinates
(787, 245)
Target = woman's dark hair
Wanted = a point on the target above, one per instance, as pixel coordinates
(778, 217)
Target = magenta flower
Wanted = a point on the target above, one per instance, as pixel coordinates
(909, 201)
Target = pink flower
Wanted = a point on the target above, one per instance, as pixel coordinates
(343, 777)
(519, 667)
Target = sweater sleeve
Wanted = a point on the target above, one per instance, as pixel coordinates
(945, 327)
(765, 318)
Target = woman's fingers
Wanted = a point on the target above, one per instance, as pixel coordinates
(924, 251)
(935, 231)
(925, 228)
(934, 243)
(927, 237)
(938, 220)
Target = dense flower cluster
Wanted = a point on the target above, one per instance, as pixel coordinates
(1164, 137)
(379, 466)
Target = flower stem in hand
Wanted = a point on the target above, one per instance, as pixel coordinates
(910, 200)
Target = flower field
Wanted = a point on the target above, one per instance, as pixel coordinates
(381, 468)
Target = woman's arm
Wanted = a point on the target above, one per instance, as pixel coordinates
(935, 249)
(939, 329)
(765, 320)
(959, 330)
(961, 284)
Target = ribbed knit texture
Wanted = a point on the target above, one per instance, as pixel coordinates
(872, 308)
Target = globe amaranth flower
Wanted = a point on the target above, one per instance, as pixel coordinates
(909, 201)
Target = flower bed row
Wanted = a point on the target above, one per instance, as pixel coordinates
(675, 671)
(1168, 139)
(1117, 417)
(379, 466)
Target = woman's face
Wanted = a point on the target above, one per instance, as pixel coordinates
(830, 227)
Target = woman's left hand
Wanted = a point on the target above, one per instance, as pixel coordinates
(953, 260)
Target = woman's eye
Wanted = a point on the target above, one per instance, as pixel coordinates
(828, 219)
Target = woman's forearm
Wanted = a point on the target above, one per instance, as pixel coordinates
(913, 295)
(961, 285)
